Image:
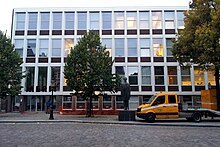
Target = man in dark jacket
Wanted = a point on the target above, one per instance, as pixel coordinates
(125, 93)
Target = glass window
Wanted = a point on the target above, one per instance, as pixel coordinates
(199, 76)
(67, 103)
(42, 78)
(19, 46)
(69, 20)
(169, 46)
(119, 47)
(43, 47)
(131, 20)
(169, 19)
(146, 75)
(133, 102)
(211, 77)
(157, 20)
(133, 75)
(180, 19)
(119, 20)
(55, 78)
(56, 47)
(94, 20)
(159, 100)
(158, 47)
(119, 102)
(172, 75)
(171, 99)
(32, 23)
(144, 20)
(106, 20)
(45, 20)
(30, 72)
(185, 75)
(132, 47)
(31, 47)
(107, 101)
(121, 71)
(145, 47)
(68, 44)
(80, 103)
(57, 20)
(82, 17)
(20, 20)
(107, 42)
(159, 75)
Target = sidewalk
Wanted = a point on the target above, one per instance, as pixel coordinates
(41, 117)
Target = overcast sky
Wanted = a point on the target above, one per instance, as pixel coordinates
(8, 5)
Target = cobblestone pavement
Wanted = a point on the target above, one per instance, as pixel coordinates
(105, 135)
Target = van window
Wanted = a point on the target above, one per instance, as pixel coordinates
(159, 100)
(171, 99)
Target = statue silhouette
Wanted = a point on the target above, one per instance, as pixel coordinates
(125, 93)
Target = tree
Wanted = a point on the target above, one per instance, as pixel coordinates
(10, 71)
(199, 42)
(89, 68)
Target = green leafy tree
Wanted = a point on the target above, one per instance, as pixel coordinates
(199, 42)
(89, 67)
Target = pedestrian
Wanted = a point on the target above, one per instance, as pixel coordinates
(48, 106)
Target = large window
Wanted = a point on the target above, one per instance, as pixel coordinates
(31, 47)
(211, 77)
(106, 20)
(157, 20)
(68, 44)
(43, 47)
(119, 47)
(198, 75)
(30, 72)
(45, 20)
(56, 47)
(172, 75)
(146, 75)
(169, 19)
(94, 20)
(121, 71)
(144, 20)
(119, 20)
(145, 47)
(180, 19)
(119, 102)
(133, 75)
(32, 23)
(19, 46)
(42, 78)
(133, 102)
(20, 21)
(82, 20)
(69, 20)
(107, 42)
(132, 47)
(67, 103)
(131, 20)
(159, 75)
(158, 47)
(107, 101)
(55, 77)
(185, 75)
(80, 103)
(169, 46)
(57, 20)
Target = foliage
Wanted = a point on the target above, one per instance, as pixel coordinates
(89, 67)
(10, 71)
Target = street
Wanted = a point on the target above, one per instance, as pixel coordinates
(105, 135)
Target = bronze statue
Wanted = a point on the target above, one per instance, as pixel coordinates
(125, 93)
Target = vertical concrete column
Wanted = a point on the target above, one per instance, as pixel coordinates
(100, 99)
(113, 103)
(74, 100)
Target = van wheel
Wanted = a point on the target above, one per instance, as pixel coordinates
(196, 117)
(150, 117)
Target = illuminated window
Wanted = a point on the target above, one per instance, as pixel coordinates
(144, 20)
(169, 19)
(68, 44)
(172, 75)
(119, 20)
(131, 20)
(185, 75)
(145, 47)
(211, 77)
(159, 75)
(157, 20)
(199, 76)
(146, 75)
(158, 47)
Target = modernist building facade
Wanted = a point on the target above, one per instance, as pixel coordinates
(138, 38)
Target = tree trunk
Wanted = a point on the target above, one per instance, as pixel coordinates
(217, 88)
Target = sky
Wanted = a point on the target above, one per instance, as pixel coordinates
(7, 7)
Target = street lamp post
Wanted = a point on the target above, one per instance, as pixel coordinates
(51, 110)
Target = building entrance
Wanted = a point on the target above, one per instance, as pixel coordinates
(35, 103)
